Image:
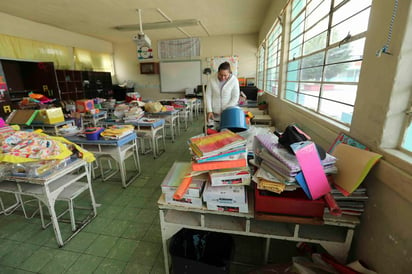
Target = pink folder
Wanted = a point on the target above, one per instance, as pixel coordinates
(312, 169)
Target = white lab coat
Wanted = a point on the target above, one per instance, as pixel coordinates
(218, 99)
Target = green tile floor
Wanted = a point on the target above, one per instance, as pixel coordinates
(125, 236)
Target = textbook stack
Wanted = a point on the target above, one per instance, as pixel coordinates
(278, 167)
(224, 156)
(352, 205)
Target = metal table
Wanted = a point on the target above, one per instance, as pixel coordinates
(118, 149)
(48, 188)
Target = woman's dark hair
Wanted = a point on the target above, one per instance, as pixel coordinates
(225, 66)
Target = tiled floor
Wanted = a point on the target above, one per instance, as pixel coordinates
(124, 237)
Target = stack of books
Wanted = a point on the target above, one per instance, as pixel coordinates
(221, 150)
(133, 114)
(278, 167)
(224, 156)
(352, 205)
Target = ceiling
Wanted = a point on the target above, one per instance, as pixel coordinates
(98, 18)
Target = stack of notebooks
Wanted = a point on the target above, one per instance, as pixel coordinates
(221, 150)
(223, 156)
(279, 167)
(352, 205)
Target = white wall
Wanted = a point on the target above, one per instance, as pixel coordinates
(127, 65)
(384, 238)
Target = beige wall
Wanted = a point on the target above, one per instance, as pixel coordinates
(384, 239)
(15, 26)
(127, 65)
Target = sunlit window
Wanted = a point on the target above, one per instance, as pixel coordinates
(261, 66)
(273, 60)
(325, 55)
(407, 138)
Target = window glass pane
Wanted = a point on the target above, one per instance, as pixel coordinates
(291, 96)
(293, 86)
(337, 2)
(337, 111)
(294, 65)
(313, 60)
(308, 101)
(354, 25)
(295, 52)
(407, 140)
(341, 93)
(346, 52)
(318, 28)
(312, 74)
(297, 27)
(321, 11)
(293, 75)
(310, 88)
(295, 43)
(345, 72)
(347, 10)
(314, 44)
(297, 6)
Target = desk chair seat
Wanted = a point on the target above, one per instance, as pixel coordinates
(69, 194)
(151, 136)
(10, 187)
(184, 116)
(173, 124)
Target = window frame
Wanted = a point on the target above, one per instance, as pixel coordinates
(295, 85)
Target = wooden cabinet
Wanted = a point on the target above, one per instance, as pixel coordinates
(19, 78)
(149, 68)
(70, 84)
(97, 84)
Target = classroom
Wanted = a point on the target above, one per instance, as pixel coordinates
(332, 67)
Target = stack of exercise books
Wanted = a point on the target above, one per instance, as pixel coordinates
(223, 156)
(353, 204)
(278, 167)
(221, 150)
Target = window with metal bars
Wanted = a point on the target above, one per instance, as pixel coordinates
(261, 66)
(325, 55)
(273, 43)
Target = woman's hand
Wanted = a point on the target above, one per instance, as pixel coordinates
(210, 116)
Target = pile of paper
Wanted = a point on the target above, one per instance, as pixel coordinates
(278, 168)
(221, 150)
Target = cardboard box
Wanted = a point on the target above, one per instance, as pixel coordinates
(227, 206)
(84, 105)
(225, 194)
(288, 203)
(175, 177)
(22, 116)
(50, 116)
(186, 201)
(232, 176)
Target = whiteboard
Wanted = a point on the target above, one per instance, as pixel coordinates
(177, 76)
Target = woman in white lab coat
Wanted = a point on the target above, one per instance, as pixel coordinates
(222, 91)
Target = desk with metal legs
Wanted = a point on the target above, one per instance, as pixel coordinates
(118, 149)
(48, 188)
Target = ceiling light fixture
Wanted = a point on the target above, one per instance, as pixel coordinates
(160, 25)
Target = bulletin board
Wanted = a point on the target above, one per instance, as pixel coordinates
(214, 63)
(177, 76)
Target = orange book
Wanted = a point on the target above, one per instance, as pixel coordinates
(219, 165)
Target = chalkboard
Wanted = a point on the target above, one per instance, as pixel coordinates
(177, 76)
